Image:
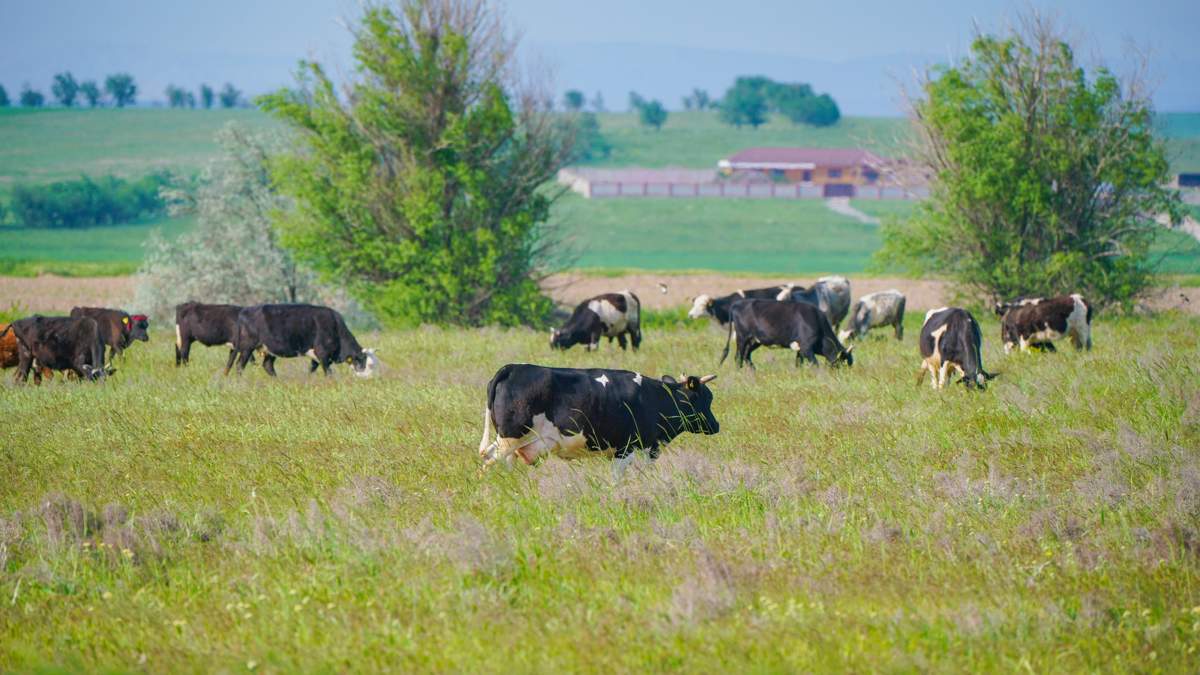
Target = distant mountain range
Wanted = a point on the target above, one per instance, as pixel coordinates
(865, 86)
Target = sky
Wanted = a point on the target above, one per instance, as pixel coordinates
(856, 51)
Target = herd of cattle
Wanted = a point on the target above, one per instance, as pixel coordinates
(533, 411)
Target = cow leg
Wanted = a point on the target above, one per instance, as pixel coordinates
(635, 336)
(228, 362)
(313, 365)
(811, 357)
(325, 365)
(269, 364)
(899, 329)
(750, 350)
(943, 373)
(621, 341)
(243, 359)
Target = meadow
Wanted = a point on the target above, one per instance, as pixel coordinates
(842, 520)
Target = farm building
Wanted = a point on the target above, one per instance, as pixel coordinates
(836, 170)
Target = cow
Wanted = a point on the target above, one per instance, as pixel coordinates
(718, 308)
(285, 331)
(609, 315)
(1036, 322)
(884, 308)
(830, 294)
(950, 338)
(799, 326)
(536, 411)
(118, 329)
(10, 356)
(210, 325)
(58, 343)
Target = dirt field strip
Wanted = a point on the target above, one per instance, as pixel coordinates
(54, 294)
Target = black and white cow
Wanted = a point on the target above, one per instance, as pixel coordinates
(718, 308)
(210, 325)
(59, 343)
(536, 411)
(884, 308)
(608, 315)
(950, 338)
(285, 331)
(1036, 322)
(830, 294)
(799, 326)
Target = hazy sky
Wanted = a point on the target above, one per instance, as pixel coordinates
(256, 43)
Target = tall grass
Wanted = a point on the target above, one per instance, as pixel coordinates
(842, 520)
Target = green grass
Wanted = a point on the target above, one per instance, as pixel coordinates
(49, 145)
(113, 249)
(842, 521)
(744, 235)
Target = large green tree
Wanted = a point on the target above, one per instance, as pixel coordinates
(420, 187)
(121, 88)
(1046, 178)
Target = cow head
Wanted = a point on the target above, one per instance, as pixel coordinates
(136, 327)
(565, 338)
(846, 357)
(693, 400)
(364, 363)
(700, 306)
(979, 381)
(95, 374)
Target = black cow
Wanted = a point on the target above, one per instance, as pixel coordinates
(118, 329)
(950, 338)
(573, 412)
(609, 315)
(799, 326)
(830, 294)
(718, 308)
(1036, 322)
(59, 343)
(285, 331)
(210, 325)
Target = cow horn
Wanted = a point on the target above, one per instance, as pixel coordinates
(707, 378)
(849, 349)
(682, 377)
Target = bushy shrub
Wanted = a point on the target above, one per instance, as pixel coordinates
(88, 202)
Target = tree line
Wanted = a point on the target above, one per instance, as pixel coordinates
(119, 90)
(748, 102)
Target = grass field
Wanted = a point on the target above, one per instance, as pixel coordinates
(50, 145)
(840, 521)
(101, 250)
(748, 235)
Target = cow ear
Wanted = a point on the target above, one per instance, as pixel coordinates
(668, 379)
(125, 320)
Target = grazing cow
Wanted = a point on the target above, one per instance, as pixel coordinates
(830, 294)
(609, 315)
(799, 326)
(1036, 322)
(574, 412)
(885, 308)
(58, 343)
(950, 338)
(285, 331)
(118, 329)
(718, 308)
(10, 356)
(210, 325)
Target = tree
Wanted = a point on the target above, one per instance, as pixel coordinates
(65, 89)
(229, 96)
(598, 103)
(573, 100)
(31, 98)
(1046, 177)
(590, 144)
(206, 96)
(122, 89)
(697, 100)
(233, 255)
(421, 186)
(176, 96)
(4, 102)
(91, 92)
(745, 103)
(652, 114)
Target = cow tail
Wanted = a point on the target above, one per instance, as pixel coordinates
(728, 337)
(488, 423)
